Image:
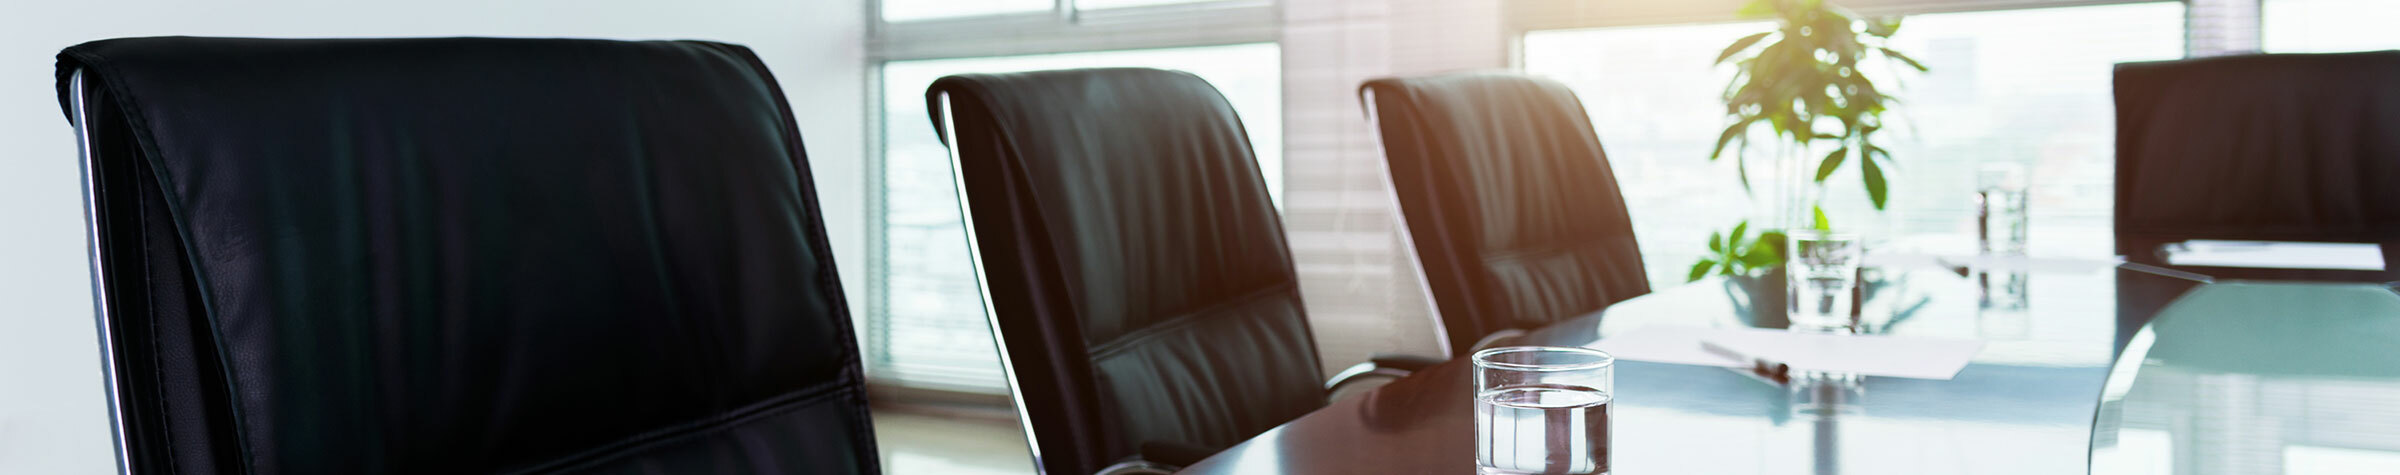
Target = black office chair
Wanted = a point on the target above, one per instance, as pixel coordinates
(460, 256)
(1137, 274)
(2282, 147)
(1509, 201)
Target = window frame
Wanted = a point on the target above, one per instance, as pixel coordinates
(2204, 34)
(1062, 29)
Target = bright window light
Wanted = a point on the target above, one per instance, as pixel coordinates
(2327, 26)
(2024, 86)
(906, 10)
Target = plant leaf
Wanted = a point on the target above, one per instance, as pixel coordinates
(1738, 231)
(1728, 135)
(1821, 224)
(1741, 44)
(1883, 27)
(1700, 269)
(1741, 166)
(1767, 252)
(1912, 62)
(1756, 8)
(1832, 161)
(1760, 257)
(1877, 189)
(1716, 242)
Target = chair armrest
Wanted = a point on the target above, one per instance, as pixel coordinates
(1379, 366)
(1176, 454)
(1136, 467)
(1405, 362)
(1498, 339)
(1159, 458)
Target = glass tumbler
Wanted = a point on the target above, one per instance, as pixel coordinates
(1823, 272)
(1543, 410)
(2001, 215)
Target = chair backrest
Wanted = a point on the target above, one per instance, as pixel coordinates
(2283, 147)
(1512, 207)
(460, 256)
(1136, 270)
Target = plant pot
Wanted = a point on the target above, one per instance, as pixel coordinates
(1761, 300)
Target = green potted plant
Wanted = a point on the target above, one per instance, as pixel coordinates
(1801, 80)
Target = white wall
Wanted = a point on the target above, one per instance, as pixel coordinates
(52, 412)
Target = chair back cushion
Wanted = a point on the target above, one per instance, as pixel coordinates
(1511, 204)
(2281, 147)
(1137, 269)
(463, 256)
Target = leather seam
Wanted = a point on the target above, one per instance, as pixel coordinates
(1524, 253)
(138, 125)
(1187, 319)
(694, 428)
(150, 306)
(829, 274)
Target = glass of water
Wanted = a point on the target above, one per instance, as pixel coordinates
(2001, 215)
(1823, 272)
(1543, 410)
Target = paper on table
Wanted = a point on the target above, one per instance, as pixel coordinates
(2277, 255)
(2001, 263)
(1872, 355)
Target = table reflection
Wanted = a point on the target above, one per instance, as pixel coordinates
(2258, 378)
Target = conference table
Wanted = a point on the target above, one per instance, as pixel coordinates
(2047, 393)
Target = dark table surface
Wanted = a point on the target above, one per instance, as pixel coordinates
(2025, 405)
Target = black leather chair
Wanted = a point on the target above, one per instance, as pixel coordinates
(2283, 147)
(1509, 201)
(460, 256)
(1136, 272)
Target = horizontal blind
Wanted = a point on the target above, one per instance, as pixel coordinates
(1358, 275)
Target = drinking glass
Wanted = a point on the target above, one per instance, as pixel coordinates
(1543, 410)
(1823, 273)
(2001, 216)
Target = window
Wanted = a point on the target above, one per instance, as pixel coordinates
(1099, 4)
(931, 330)
(907, 10)
(2025, 86)
(2326, 26)
(2299, 459)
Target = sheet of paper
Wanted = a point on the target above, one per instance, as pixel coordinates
(2277, 255)
(1872, 355)
(2048, 265)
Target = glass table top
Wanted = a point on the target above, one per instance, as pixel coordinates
(2258, 378)
(2239, 378)
(2024, 405)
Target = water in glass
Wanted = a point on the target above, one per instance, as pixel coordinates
(1542, 429)
(2001, 221)
(1823, 269)
(2001, 216)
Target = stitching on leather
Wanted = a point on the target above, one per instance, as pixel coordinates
(1187, 319)
(828, 275)
(1543, 251)
(129, 106)
(150, 305)
(698, 427)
